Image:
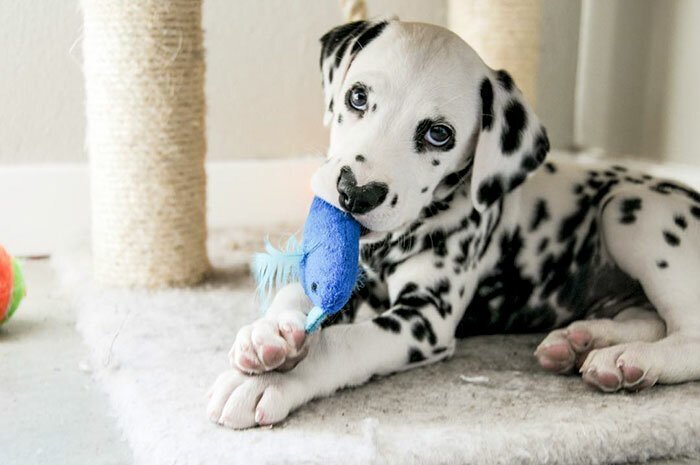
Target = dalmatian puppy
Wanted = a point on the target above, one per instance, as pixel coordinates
(469, 230)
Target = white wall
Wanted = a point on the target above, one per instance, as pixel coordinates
(639, 71)
(263, 83)
(41, 88)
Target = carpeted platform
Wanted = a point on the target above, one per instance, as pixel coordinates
(156, 355)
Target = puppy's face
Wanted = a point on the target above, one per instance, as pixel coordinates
(412, 111)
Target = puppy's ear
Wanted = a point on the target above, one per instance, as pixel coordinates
(511, 141)
(339, 46)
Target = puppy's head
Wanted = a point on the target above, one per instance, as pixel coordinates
(414, 112)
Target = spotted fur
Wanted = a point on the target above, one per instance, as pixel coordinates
(497, 237)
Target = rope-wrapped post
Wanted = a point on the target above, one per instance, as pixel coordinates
(506, 33)
(144, 82)
(354, 10)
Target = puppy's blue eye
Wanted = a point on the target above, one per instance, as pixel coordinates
(357, 97)
(438, 135)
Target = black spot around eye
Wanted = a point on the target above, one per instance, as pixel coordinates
(314, 287)
(425, 125)
(419, 135)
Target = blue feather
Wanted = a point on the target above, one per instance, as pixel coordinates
(276, 268)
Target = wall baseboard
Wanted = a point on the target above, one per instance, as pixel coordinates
(47, 206)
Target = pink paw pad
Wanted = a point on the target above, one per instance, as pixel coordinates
(555, 357)
(580, 339)
(631, 374)
(603, 380)
(272, 355)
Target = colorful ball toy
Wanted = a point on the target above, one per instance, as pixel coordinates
(12, 288)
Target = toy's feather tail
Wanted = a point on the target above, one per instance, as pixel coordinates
(274, 268)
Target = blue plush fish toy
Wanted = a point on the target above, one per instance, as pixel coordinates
(326, 262)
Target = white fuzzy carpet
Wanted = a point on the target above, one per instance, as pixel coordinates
(156, 355)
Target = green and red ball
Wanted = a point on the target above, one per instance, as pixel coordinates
(12, 288)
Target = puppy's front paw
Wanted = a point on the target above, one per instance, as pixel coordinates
(271, 343)
(241, 401)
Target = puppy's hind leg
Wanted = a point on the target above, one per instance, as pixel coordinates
(565, 349)
(658, 243)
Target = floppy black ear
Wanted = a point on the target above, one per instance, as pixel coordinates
(511, 142)
(339, 46)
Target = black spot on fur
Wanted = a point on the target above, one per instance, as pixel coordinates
(695, 211)
(549, 166)
(436, 162)
(663, 264)
(486, 105)
(515, 123)
(540, 215)
(360, 158)
(490, 190)
(340, 118)
(368, 36)
(543, 245)
(394, 200)
(680, 221)
(415, 355)
(339, 35)
(424, 190)
(671, 239)
(374, 108)
(330, 106)
(505, 80)
(541, 145)
(418, 331)
(628, 208)
(667, 187)
(388, 324)
(620, 168)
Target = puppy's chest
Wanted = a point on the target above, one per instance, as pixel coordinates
(452, 234)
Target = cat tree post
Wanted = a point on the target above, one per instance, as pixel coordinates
(506, 33)
(144, 82)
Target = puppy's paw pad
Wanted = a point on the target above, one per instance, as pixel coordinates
(606, 381)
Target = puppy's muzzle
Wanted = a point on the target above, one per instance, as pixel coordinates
(359, 199)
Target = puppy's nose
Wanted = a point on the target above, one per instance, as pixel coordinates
(359, 199)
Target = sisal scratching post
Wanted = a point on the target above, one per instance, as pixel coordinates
(506, 33)
(144, 82)
(354, 10)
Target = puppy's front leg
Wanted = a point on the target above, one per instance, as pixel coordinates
(277, 341)
(417, 329)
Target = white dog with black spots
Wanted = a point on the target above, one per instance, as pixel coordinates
(469, 230)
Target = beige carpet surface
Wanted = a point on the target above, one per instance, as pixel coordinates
(155, 354)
